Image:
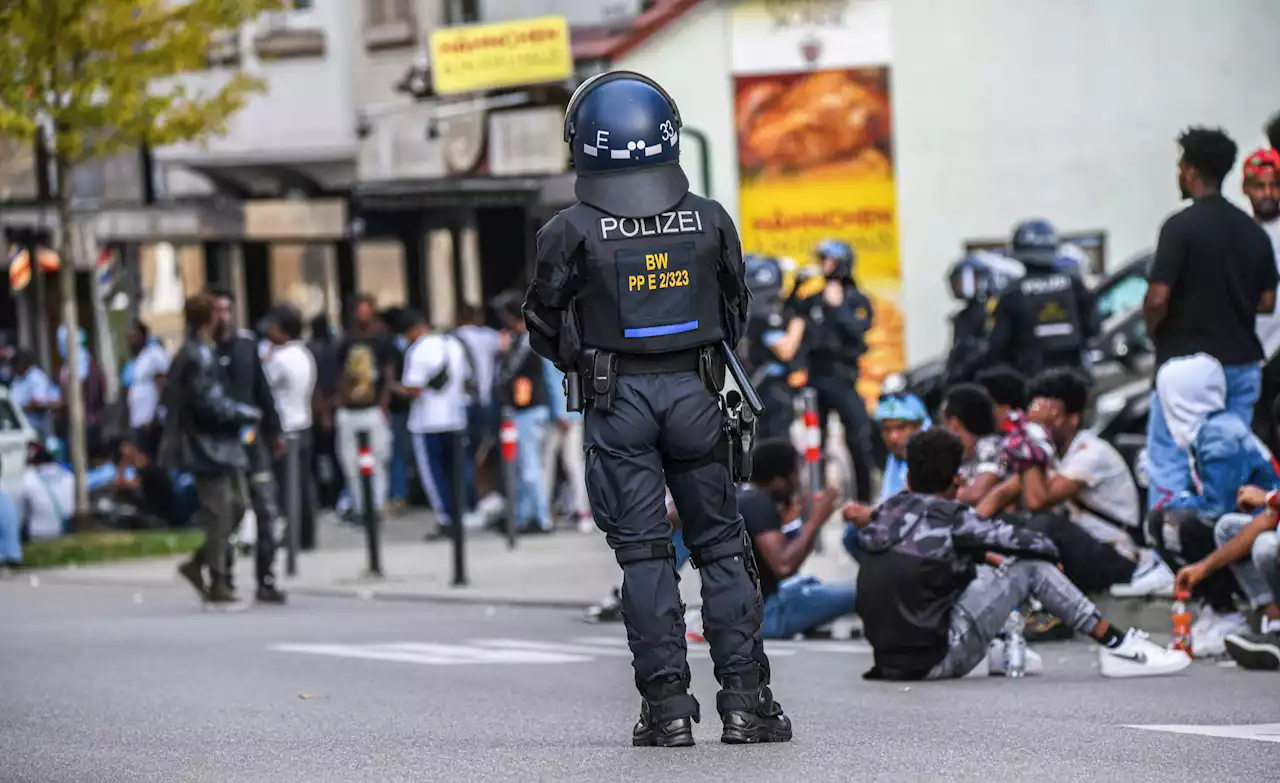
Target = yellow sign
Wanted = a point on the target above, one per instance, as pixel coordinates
(815, 156)
(508, 54)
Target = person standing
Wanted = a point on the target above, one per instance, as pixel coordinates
(1262, 188)
(203, 433)
(291, 372)
(324, 456)
(1214, 272)
(398, 417)
(435, 371)
(636, 286)
(366, 362)
(838, 321)
(484, 344)
(247, 383)
(1045, 319)
(144, 377)
(523, 385)
(564, 447)
(34, 393)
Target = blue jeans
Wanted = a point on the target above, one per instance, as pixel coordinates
(682, 551)
(10, 531)
(1168, 469)
(398, 465)
(532, 506)
(802, 603)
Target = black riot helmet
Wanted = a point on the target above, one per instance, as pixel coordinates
(623, 131)
(764, 281)
(1035, 242)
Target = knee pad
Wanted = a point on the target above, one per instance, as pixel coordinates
(645, 550)
(704, 555)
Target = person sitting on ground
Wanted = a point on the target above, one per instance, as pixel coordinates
(900, 416)
(1093, 484)
(10, 535)
(1008, 388)
(793, 604)
(931, 612)
(1249, 545)
(969, 412)
(1225, 456)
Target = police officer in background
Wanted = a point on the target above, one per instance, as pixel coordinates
(976, 280)
(775, 334)
(635, 286)
(838, 320)
(1046, 319)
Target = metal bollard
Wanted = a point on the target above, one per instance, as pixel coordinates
(293, 499)
(459, 505)
(510, 452)
(371, 531)
(812, 453)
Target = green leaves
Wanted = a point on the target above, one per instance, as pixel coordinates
(105, 74)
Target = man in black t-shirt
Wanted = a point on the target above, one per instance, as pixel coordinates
(366, 378)
(1214, 272)
(781, 543)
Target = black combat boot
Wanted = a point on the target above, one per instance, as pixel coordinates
(667, 715)
(750, 714)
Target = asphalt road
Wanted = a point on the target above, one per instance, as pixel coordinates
(108, 684)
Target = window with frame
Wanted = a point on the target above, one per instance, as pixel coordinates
(389, 23)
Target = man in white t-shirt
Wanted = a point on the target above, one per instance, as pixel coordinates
(144, 376)
(1093, 481)
(1262, 187)
(291, 373)
(436, 369)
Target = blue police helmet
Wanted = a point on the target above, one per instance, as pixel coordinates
(623, 130)
(840, 252)
(764, 278)
(1034, 241)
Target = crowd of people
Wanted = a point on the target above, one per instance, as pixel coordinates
(1002, 500)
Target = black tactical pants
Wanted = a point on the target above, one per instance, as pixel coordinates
(664, 429)
(841, 395)
(258, 491)
(779, 409)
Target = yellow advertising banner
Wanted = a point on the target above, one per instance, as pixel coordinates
(816, 162)
(508, 54)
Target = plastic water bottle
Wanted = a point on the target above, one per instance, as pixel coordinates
(1015, 646)
(1181, 622)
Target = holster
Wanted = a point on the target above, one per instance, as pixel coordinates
(739, 432)
(711, 368)
(601, 371)
(573, 392)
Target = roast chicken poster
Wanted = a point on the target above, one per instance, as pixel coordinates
(815, 161)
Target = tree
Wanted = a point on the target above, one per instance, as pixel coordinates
(95, 78)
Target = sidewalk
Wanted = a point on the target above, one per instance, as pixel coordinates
(567, 569)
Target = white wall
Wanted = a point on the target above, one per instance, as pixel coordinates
(690, 59)
(307, 111)
(1069, 110)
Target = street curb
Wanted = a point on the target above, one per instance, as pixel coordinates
(373, 594)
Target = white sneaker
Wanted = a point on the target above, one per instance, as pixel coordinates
(586, 525)
(1209, 635)
(1138, 656)
(995, 660)
(1152, 579)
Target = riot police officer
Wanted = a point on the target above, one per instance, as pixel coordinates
(976, 280)
(1046, 319)
(775, 335)
(634, 286)
(839, 319)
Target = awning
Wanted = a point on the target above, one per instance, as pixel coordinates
(448, 193)
(176, 223)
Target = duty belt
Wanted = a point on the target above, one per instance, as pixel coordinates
(654, 363)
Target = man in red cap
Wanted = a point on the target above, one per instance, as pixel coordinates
(1261, 186)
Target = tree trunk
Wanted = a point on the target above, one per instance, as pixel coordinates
(71, 320)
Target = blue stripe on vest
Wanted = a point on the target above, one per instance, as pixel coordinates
(659, 331)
